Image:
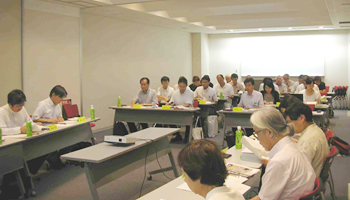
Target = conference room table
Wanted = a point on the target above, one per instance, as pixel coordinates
(106, 162)
(46, 142)
(157, 115)
(170, 191)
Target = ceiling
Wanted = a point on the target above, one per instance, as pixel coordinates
(224, 16)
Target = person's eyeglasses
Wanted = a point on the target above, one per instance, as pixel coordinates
(255, 134)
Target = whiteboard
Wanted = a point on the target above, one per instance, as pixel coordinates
(272, 56)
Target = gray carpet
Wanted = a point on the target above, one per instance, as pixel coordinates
(70, 182)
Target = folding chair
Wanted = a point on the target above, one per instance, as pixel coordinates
(325, 172)
(329, 135)
(316, 193)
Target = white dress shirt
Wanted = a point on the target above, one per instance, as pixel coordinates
(227, 90)
(165, 92)
(150, 97)
(289, 174)
(238, 86)
(252, 101)
(314, 142)
(46, 109)
(179, 99)
(208, 94)
(224, 193)
(261, 87)
(176, 87)
(11, 122)
(294, 87)
(314, 97)
(282, 88)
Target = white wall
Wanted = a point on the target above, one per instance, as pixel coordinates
(225, 50)
(196, 39)
(50, 51)
(10, 48)
(205, 54)
(116, 54)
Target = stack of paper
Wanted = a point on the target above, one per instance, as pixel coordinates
(254, 145)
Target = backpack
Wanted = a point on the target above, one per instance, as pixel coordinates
(342, 146)
(119, 129)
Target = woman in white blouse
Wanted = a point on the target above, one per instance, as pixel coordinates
(310, 94)
(288, 174)
(204, 171)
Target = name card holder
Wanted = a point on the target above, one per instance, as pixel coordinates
(237, 109)
(53, 127)
(81, 119)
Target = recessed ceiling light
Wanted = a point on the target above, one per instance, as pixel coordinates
(290, 28)
(321, 27)
(260, 29)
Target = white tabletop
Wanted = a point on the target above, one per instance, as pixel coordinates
(9, 141)
(152, 109)
(315, 113)
(104, 151)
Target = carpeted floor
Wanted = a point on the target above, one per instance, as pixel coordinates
(70, 182)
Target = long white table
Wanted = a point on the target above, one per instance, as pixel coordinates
(170, 191)
(106, 162)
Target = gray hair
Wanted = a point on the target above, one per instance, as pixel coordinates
(286, 75)
(228, 75)
(271, 119)
(278, 76)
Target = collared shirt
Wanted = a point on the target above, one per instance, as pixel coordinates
(224, 193)
(179, 99)
(46, 109)
(252, 101)
(289, 174)
(208, 94)
(302, 87)
(261, 87)
(176, 87)
(150, 97)
(314, 142)
(290, 83)
(238, 86)
(165, 92)
(227, 90)
(294, 87)
(314, 97)
(11, 122)
(282, 88)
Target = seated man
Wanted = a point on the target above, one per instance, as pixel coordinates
(289, 83)
(295, 86)
(303, 85)
(165, 92)
(228, 78)
(312, 139)
(196, 83)
(310, 94)
(182, 97)
(236, 86)
(321, 85)
(251, 98)
(204, 171)
(224, 88)
(282, 88)
(146, 97)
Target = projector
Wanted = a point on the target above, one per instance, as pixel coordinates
(122, 140)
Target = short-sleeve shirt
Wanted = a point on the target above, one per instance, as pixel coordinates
(165, 92)
(289, 174)
(290, 83)
(282, 88)
(227, 90)
(294, 87)
(46, 109)
(179, 99)
(314, 97)
(11, 122)
(302, 87)
(150, 97)
(237, 87)
(208, 94)
(252, 101)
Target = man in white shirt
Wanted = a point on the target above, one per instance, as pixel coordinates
(224, 88)
(251, 98)
(289, 83)
(282, 88)
(235, 85)
(13, 116)
(295, 86)
(228, 78)
(49, 110)
(182, 97)
(312, 139)
(165, 92)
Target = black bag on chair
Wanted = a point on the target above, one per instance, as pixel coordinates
(119, 129)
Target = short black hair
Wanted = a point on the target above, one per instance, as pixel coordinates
(270, 85)
(59, 91)
(249, 80)
(267, 79)
(309, 81)
(16, 97)
(195, 78)
(317, 78)
(297, 109)
(234, 76)
(164, 78)
(202, 159)
(289, 100)
(206, 77)
(143, 79)
(182, 80)
(222, 76)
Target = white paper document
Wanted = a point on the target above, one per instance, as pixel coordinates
(254, 145)
(240, 170)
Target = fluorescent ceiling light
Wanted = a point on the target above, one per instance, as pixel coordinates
(260, 29)
(321, 27)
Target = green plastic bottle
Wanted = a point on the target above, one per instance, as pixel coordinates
(221, 95)
(29, 129)
(239, 135)
(119, 102)
(92, 112)
(0, 136)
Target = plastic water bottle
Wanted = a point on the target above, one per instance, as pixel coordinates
(239, 134)
(221, 95)
(119, 102)
(29, 129)
(0, 136)
(92, 112)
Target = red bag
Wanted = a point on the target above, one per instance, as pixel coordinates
(342, 146)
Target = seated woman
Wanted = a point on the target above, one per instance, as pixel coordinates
(310, 94)
(270, 95)
(261, 87)
(204, 171)
(288, 174)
